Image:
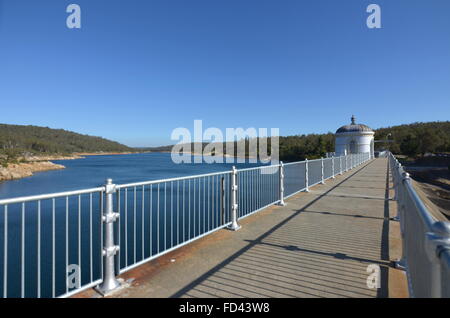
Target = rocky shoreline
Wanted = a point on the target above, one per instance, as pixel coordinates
(28, 165)
(26, 169)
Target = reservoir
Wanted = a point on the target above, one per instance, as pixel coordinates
(92, 171)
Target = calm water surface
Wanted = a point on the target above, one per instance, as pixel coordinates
(92, 171)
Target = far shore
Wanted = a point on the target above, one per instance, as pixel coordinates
(107, 153)
(27, 166)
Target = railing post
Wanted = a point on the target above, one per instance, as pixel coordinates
(110, 283)
(395, 175)
(323, 181)
(401, 207)
(332, 167)
(340, 165)
(393, 171)
(306, 176)
(281, 174)
(234, 226)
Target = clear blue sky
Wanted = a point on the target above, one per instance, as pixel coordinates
(138, 69)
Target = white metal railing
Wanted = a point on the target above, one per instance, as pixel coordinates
(425, 239)
(58, 244)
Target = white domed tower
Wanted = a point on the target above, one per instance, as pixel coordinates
(354, 138)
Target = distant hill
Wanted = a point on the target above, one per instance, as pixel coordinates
(18, 140)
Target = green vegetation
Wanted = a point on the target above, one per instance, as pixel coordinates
(293, 148)
(17, 141)
(414, 140)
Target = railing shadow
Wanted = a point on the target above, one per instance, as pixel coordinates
(273, 265)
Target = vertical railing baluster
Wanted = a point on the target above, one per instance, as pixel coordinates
(38, 252)
(67, 242)
(126, 226)
(204, 204)
(281, 184)
(157, 222)
(184, 210)
(189, 209)
(209, 204)
(151, 220)
(194, 208)
(213, 217)
(178, 212)
(79, 238)
(171, 214)
(22, 277)
(143, 223)
(91, 272)
(119, 229)
(134, 224)
(53, 249)
(5, 251)
(165, 215)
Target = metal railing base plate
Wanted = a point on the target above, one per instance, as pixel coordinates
(105, 293)
(233, 228)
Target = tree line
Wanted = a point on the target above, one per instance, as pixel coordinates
(413, 140)
(417, 139)
(18, 140)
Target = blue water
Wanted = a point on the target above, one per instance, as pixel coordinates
(92, 171)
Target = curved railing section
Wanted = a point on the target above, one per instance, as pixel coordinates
(425, 239)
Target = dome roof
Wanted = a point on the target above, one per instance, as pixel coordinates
(353, 127)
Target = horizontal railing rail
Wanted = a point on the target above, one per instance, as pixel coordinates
(56, 245)
(425, 239)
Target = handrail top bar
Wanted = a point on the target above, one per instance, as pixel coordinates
(293, 163)
(49, 196)
(259, 167)
(142, 183)
(134, 184)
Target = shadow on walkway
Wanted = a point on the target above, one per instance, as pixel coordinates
(313, 252)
